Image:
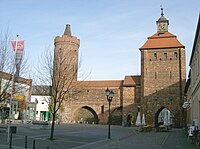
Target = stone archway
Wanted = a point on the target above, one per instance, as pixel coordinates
(86, 115)
(163, 117)
(116, 116)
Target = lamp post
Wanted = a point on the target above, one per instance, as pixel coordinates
(138, 108)
(109, 95)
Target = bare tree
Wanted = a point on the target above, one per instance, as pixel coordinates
(5, 52)
(7, 66)
(60, 72)
(8, 69)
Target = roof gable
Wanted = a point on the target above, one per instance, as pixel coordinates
(162, 40)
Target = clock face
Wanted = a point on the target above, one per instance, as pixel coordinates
(162, 27)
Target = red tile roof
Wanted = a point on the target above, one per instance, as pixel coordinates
(104, 83)
(131, 80)
(128, 81)
(162, 40)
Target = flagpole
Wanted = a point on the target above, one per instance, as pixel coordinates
(12, 88)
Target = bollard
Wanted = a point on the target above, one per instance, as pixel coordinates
(34, 144)
(10, 145)
(25, 142)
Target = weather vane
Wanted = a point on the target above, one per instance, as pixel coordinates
(162, 14)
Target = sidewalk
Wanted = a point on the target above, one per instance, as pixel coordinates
(174, 139)
(6, 147)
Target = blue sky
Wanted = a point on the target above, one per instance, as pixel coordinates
(111, 31)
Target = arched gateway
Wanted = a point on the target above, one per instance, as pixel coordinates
(163, 117)
(86, 115)
(160, 84)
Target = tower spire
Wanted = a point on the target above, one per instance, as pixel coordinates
(67, 30)
(162, 14)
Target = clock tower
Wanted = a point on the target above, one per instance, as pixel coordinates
(162, 23)
(162, 76)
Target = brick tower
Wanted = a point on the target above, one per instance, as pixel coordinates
(162, 75)
(66, 49)
(65, 69)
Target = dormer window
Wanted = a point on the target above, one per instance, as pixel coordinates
(161, 34)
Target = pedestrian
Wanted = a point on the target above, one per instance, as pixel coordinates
(195, 132)
(190, 133)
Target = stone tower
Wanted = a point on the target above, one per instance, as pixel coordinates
(65, 69)
(66, 49)
(162, 75)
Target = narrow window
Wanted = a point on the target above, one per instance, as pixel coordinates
(155, 56)
(175, 55)
(102, 109)
(170, 75)
(165, 56)
(155, 75)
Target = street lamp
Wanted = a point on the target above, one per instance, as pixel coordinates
(109, 95)
(138, 108)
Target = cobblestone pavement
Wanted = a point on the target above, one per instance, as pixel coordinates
(78, 136)
(174, 139)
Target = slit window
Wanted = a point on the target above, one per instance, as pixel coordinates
(102, 109)
(165, 56)
(175, 55)
(155, 56)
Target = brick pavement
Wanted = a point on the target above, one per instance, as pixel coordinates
(174, 139)
(122, 137)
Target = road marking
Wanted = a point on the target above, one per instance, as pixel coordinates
(163, 142)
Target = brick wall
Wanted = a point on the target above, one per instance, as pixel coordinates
(161, 85)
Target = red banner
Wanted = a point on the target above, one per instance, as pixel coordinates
(18, 45)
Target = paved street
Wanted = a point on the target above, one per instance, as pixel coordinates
(81, 136)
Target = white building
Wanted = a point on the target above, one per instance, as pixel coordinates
(42, 100)
(195, 78)
(21, 96)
